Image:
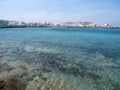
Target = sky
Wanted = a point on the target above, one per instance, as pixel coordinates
(59, 11)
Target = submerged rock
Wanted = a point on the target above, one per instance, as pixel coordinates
(5, 67)
(12, 84)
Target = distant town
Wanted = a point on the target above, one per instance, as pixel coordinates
(19, 24)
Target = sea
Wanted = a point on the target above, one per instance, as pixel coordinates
(61, 58)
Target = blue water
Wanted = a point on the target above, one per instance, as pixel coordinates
(74, 58)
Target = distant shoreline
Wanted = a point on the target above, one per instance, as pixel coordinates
(59, 27)
(19, 24)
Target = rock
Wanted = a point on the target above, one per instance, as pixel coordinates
(12, 84)
(4, 75)
(94, 76)
(32, 87)
(1, 84)
(5, 67)
(44, 78)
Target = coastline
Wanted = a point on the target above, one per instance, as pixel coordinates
(20, 24)
(55, 27)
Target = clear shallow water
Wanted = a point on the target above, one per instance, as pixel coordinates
(62, 58)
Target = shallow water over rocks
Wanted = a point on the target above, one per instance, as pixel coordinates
(58, 60)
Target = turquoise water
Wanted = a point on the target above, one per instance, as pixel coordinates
(62, 58)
